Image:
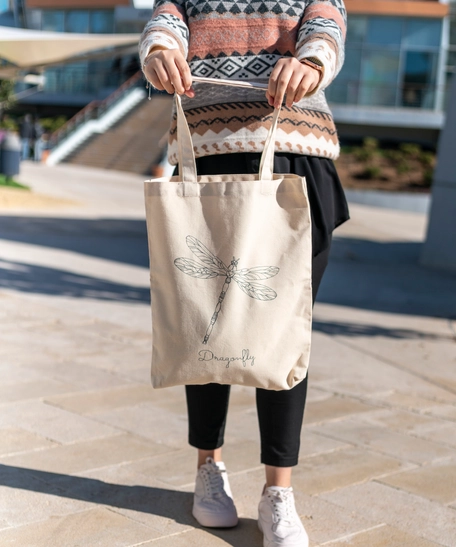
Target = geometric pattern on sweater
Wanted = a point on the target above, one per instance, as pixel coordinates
(228, 127)
(236, 66)
(244, 39)
(248, 7)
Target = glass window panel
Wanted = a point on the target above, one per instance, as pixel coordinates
(53, 20)
(4, 5)
(384, 31)
(418, 87)
(379, 74)
(77, 21)
(102, 21)
(423, 32)
(356, 29)
(352, 66)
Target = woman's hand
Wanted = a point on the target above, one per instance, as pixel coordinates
(292, 78)
(167, 69)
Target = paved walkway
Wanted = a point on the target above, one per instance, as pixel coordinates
(91, 456)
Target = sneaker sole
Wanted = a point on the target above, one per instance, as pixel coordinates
(210, 522)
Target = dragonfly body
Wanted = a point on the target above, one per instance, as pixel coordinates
(214, 267)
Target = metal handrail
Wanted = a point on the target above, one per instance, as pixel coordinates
(93, 110)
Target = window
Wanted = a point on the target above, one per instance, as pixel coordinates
(4, 5)
(53, 20)
(390, 61)
(102, 21)
(379, 73)
(423, 32)
(384, 31)
(77, 21)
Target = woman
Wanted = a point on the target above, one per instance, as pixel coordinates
(298, 49)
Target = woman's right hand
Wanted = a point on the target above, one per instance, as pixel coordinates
(167, 70)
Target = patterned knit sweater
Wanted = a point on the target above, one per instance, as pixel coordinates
(243, 40)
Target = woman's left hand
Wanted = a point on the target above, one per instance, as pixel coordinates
(292, 78)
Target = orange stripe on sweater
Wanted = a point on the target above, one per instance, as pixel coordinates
(326, 12)
(215, 36)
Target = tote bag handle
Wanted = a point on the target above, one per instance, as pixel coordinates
(186, 155)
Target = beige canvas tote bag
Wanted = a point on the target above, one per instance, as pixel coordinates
(230, 273)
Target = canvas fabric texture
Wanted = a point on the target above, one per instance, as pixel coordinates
(230, 269)
(243, 40)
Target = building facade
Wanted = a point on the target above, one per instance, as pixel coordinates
(400, 56)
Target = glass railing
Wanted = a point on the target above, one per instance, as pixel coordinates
(95, 109)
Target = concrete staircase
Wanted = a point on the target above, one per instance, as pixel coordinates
(133, 143)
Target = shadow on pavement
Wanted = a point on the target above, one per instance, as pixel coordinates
(170, 504)
(386, 277)
(43, 280)
(366, 274)
(352, 329)
(120, 240)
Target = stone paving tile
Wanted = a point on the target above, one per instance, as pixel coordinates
(402, 420)
(381, 503)
(445, 434)
(332, 408)
(381, 439)
(399, 399)
(33, 390)
(77, 374)
(73, 458)
(13, 373)
(444, 411)
(245, 534)
(361, 375)
(14, 439)
(123, 362)
(430, 355)
(382, 536)
(334, 470)
(144, 419)
(435, 482)
(91, 402)
(26, 498)
(313, 444)
(101, 527)
(51, 422)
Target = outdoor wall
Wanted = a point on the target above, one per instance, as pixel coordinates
(413, 8)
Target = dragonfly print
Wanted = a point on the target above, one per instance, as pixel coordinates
(211, 266)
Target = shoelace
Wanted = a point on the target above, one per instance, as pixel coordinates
(282, 501)
(213, 482)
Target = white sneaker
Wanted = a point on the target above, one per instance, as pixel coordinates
(279, 520)
(213, 504)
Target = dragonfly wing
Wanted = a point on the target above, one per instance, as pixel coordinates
(256, 290)
(257, 273)
(205, 255)
(193, 268)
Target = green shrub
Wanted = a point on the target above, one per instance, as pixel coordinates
(8, 181)
(411, 150)
(428, 177)
(371, 172)
(52, 124)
